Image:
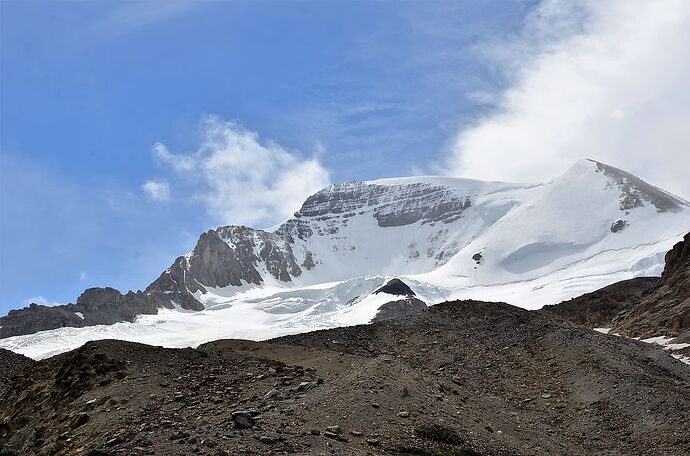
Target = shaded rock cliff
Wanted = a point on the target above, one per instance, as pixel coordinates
(666, 309)
(599, 308)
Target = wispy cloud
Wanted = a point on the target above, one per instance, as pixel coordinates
(245, 180)
(39, 300)
(132, 15)
(178, 162)
(158, 191)
(606, 80)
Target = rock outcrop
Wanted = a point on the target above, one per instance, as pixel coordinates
(96, 306)
(406, 306)
(103, 306)
(396, 205)
(634, 192)
(665, 310)
(400, 308)
(395, 287)
(599, 308)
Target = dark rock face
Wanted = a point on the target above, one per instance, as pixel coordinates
(400, 308)
(96, 306)
(391, 205)
(666, 309)
(169, 289)
(599, 308)
(634, 192)
(215, 263)
(36, 318)
(103, 306)
(677, 267)
(395, 287)
(308, 262)
(618, 225)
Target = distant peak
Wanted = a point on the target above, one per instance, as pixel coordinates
(634, 192)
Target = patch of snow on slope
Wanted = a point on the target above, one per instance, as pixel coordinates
(665, 342)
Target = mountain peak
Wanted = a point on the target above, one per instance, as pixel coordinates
(633, 191)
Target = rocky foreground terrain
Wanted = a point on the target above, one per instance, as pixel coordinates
(11, 364)
(462, 378)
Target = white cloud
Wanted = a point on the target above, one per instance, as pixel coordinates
(158, 191)
(246, 180)
(599, 79)
(39, 300)
(178, 162)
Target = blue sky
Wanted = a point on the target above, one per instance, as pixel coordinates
(128, 128)
(89, 87)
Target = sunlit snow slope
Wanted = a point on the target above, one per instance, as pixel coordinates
(528, 245)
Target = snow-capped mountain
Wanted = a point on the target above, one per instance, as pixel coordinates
(457, 232)
(529, 245)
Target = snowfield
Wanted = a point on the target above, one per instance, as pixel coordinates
(528, 245)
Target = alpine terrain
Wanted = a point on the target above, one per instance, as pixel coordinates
(446, 238)
(397, 364)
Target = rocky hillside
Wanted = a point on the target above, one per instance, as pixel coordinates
(463, 378)
(643, 307)
(11, 364)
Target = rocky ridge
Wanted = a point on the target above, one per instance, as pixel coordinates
(634, 192)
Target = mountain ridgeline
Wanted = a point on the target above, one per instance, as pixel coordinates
(478, 233)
